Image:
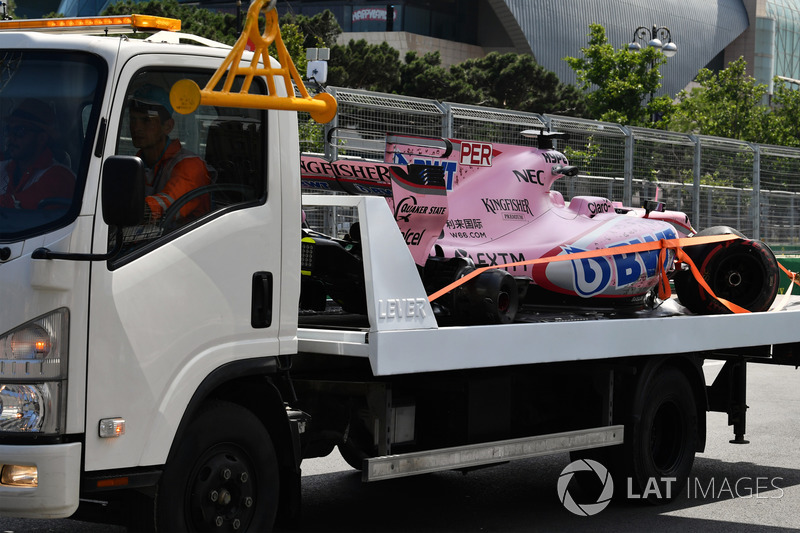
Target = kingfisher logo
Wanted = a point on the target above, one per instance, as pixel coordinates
(493, 205)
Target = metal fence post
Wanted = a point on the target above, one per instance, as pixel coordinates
(696, 181)
(447, 121)
(627, 187)
(756, 191)
(331, 150)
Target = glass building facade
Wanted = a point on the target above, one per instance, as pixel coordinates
(779, 46)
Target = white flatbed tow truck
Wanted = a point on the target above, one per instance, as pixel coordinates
(168, 375)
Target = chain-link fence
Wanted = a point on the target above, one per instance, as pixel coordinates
(753, 188)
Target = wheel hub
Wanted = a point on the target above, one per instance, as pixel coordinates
(223, 492)
(734, 279)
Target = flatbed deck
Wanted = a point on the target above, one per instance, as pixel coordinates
(400, 334)
(557, 339)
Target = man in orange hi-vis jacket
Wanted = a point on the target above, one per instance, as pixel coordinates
(31, 176)
(172, 171)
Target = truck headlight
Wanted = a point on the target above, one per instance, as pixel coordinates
(33, 371)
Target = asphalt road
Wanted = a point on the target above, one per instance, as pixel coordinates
(754, 487)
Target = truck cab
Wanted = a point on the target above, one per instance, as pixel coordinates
(95, 375)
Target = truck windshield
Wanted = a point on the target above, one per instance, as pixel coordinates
(48, 118)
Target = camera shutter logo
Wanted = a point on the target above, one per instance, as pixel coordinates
(585, 509)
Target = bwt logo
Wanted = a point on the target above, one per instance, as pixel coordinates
(449, 167)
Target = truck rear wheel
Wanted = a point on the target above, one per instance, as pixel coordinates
(223, 476)
(661, 441)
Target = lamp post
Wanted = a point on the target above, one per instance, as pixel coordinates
(657, 35)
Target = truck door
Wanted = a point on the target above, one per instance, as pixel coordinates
(183, 297)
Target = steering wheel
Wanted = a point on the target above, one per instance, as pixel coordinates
(170, 218)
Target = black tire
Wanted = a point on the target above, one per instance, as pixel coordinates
(661, 440)
(688, 291)
(611, 457)
(352, 455)
(494, 297)
(222, 477)
(744, 272)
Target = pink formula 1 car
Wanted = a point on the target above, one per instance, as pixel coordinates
(462, 205)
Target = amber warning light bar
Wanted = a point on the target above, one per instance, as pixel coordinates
(106, 25)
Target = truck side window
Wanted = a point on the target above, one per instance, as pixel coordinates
(197, 165)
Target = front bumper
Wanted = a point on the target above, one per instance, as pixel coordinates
(56, 495)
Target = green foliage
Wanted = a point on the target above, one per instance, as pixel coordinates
(319, 31)
(727, 103)
(424, 77)
(584, 157)
(311, 133)
(506, 81)
(360, 65)
(784, 121)
(620, 84)
(294, 40)
(513, 81)
(197, 21)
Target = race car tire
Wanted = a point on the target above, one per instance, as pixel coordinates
(495, 297)
(744, 272)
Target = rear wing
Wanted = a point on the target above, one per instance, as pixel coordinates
(186, 96)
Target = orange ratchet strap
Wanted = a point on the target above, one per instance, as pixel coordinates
(793, 278)
(663, 245)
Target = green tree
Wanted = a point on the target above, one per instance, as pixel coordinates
(515, 81)
(620, 84)
(727, 103)
(294, 40)
(506, 81)
(424, 77)
(220, 27)
(319, 31)
(784, 121)
(359, 65)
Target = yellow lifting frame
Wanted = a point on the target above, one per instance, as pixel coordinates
(186, 96)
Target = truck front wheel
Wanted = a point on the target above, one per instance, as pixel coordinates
(662, 439)
(223, 476)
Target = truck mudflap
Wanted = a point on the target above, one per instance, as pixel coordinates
(54, 492)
